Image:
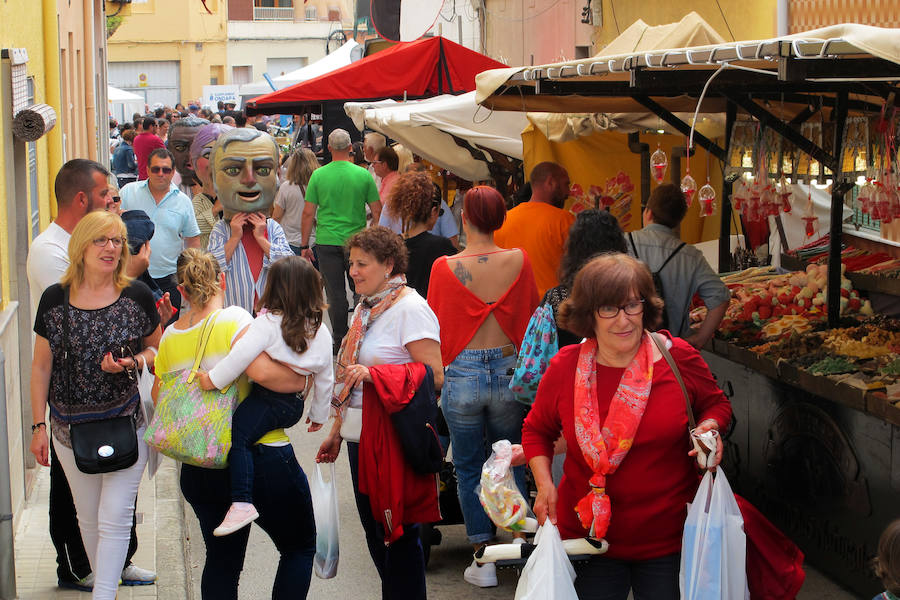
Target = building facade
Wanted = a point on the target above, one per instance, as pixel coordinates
(55, 51)
(275, 37)
(167, 50)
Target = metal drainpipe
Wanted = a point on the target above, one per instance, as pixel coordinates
(782, 17)
(7, 553)
(635, 145)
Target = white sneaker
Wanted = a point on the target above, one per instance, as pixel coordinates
(482, 576)
(134, 575)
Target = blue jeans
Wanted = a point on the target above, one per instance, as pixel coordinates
(480, 409)
(260, 412)
(602, 578)
(281, 494)
(400, 565)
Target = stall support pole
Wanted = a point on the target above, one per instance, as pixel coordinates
(635, 145)
(725, 215)
(838, 189)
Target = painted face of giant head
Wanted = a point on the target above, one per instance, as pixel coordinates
(244, 164)
(181, 134)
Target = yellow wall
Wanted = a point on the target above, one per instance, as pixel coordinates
(170, 30)
(746, 20)
(22, 26)
(591, 160)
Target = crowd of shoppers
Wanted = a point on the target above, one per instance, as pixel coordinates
(428, 317)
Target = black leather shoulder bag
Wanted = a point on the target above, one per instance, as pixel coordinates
(99, 446)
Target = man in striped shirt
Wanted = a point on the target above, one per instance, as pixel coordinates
(246, 242)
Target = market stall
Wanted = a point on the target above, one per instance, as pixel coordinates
(452, 132)
(341, 57)
(425, 68)
(122, 104)
(811, 371)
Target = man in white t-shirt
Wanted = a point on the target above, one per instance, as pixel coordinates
(81, 187)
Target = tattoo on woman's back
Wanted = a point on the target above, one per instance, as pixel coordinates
(462, 273)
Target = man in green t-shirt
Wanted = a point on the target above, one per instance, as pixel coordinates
(336, 198)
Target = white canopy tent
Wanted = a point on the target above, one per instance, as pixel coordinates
(337, 59)
(123, 104)
(428, 128)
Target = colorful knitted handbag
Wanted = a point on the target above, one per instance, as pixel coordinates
(191, 425)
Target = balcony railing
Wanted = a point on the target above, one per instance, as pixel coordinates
(269, 13)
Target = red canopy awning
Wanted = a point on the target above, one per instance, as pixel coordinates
(421, 69)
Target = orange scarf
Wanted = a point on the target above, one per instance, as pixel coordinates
(368, 309)
(605, 447)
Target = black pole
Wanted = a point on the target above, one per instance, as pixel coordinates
(635, 145)
(838, 189)
(725, 214)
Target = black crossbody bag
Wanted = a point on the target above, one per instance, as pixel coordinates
(99, 446)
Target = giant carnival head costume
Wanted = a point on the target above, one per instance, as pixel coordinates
(181, 134)
(244, 165)
(201, 150)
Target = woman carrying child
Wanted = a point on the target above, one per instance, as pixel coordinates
(280, 488)
(290, 331)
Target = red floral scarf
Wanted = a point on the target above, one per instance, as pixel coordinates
(368, 309)
(605, 445)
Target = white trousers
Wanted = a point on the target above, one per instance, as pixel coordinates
(105, 507)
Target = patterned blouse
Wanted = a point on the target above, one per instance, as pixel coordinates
(93, 394)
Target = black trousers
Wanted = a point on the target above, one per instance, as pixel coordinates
(71, 559)
(334, 265)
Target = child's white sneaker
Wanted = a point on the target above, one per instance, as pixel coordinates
(239, 515)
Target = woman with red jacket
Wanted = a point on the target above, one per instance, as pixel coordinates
(627, 475)
(392, 326)
(483, 298)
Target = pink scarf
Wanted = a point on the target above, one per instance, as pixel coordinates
(368, 309)
(605, 447)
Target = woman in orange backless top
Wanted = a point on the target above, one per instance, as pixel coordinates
(483, 298)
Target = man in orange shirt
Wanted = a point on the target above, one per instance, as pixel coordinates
(541, 225)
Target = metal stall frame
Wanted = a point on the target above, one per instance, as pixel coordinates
(743, 76)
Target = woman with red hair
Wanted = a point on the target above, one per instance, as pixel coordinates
(483, 298)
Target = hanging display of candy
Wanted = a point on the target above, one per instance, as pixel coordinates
(784, 192)
(865, 196)
(658, 163)
(879, 196)
(707, 197)
(812, 225)
(688, 187)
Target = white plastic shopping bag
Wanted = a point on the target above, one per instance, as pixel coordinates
(145, 386)
(714, 547)
(548, 574)
(325, 508)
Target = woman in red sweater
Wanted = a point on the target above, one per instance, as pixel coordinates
(629, 484)
(483, 298)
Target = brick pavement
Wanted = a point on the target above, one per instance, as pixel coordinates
(161, 542)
